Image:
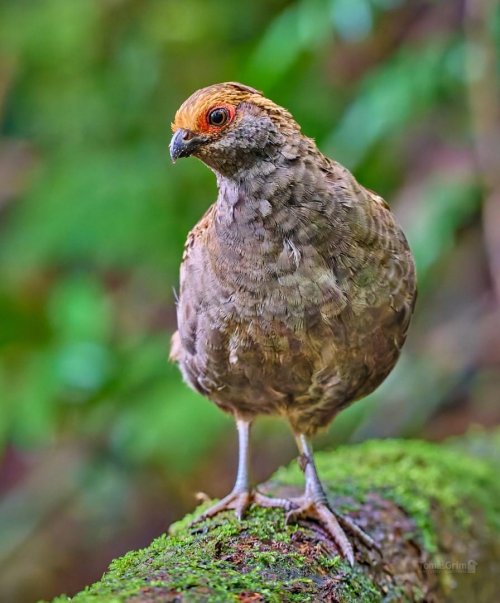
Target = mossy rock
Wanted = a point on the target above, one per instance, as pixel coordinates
(433, 509)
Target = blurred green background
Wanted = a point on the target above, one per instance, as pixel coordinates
(101, 445)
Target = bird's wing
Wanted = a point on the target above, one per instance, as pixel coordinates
(378, 267)
(190, 301)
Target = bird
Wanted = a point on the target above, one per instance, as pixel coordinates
(297, 287)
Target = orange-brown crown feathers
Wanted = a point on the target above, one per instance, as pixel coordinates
(193, 113)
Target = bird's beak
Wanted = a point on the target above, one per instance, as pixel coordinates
(182, 144)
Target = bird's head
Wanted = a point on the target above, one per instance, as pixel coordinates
(229, 127)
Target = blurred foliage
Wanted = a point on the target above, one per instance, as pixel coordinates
(93, 217)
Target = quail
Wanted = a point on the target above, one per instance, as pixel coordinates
(296, 287)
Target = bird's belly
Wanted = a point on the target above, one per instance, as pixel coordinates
(289, 366)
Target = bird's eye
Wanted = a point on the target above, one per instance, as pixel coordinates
(218, 117)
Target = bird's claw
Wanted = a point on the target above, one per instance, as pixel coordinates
(239, 501)
(322, 514)
(365, 538)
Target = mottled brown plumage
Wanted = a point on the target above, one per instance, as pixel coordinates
(297, 286)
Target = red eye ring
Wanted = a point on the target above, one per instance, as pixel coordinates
(220, 116)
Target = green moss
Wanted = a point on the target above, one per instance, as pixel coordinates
(417, 475)
(195, 562)
(226, 560)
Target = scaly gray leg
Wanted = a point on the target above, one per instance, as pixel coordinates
(240, 496)
(314, 505)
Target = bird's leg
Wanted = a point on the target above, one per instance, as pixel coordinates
(240, 496)
(314, 505)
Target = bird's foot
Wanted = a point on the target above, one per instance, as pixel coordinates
(333, 523)
(324, 516)
(237, 500)
(240, 500)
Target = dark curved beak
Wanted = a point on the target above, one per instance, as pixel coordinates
(183, 144)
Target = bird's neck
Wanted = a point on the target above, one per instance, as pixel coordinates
(248, 202)
(254, 196)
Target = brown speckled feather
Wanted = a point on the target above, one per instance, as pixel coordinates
(297, 286)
